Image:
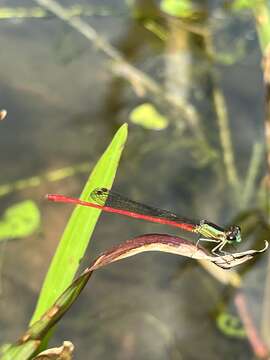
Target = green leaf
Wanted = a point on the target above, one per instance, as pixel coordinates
(147, 242)
(20, 352)
(231, 325)
(20, 220)
(79, 229)
(245, 4)
(178, 8)
(262, 17)
(148, 117)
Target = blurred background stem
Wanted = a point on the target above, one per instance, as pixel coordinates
(140, 81)
(262, 18)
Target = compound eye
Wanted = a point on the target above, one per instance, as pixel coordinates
(102, 191)
(231, 235)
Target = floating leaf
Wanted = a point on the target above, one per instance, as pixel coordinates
(231, 325)
(246, 4)
(178, 8)
(20, 220)
(148, 117)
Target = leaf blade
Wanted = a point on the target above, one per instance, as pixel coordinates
(82, 222)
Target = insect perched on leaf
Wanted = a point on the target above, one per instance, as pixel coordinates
(110, 201)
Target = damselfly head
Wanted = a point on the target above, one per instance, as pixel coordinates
(101, 191)
(233, 234)
(99, 195)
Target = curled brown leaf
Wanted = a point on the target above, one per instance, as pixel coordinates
(63, 352)
(174, 245)
(150, 242)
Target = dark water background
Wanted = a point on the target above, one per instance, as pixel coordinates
(64, 105)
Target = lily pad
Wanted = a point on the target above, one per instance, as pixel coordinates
(231, 325)
(148, 117)
(178, 8)
(20, 220)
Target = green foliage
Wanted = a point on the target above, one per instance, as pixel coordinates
(20, 352)
(178, 8)
(67, 257)
(246, 4)
(231, 325)
(262, 15)
(20, 220)
(79, 229)
(148, 117)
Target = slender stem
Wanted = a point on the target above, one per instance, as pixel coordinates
(225, 138)
(254, 165)
(266, 77)
(262, 18)
(266, 307)
(223, 123)
(259, 347)
(2, 257)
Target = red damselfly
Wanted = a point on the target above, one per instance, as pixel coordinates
(112, 202)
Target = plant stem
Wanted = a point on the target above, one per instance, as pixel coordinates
(140, 81)
(225, 138)
(254, 165)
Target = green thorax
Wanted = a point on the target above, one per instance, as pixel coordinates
(210, 230)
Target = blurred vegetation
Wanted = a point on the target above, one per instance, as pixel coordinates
(185, 26)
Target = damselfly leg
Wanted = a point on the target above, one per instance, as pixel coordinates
(217, 250)
(206, 240)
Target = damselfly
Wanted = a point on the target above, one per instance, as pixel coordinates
(110, 201)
